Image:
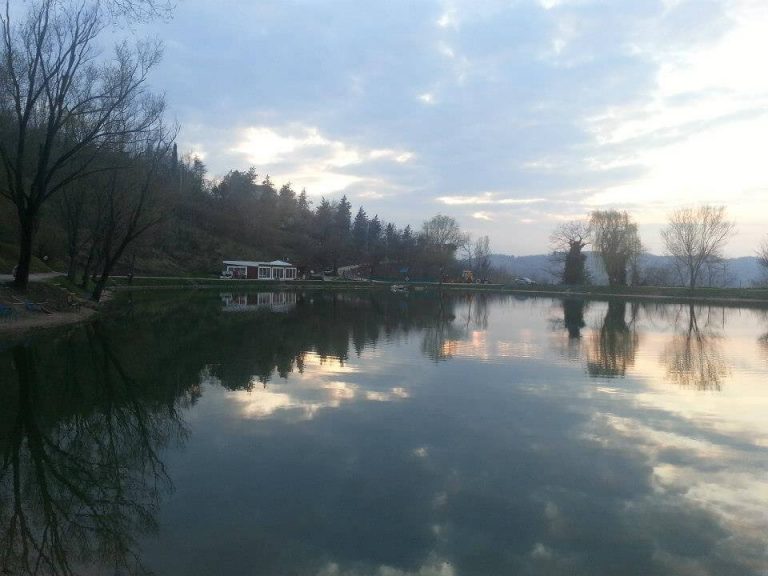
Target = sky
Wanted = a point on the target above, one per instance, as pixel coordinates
(511, 116)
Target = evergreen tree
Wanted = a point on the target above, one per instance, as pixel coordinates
(360, 234)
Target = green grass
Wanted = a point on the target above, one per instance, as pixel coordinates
(734, 295)
(198, 282)
(9, 257)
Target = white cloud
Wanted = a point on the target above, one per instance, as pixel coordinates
(371, 195)
(433, 567)
(387, 154)
(195, 150)
(263, 146)
(308, 159)
(449, 18)
(427, 97)
(700, 135)
(486, 198)
(628, 99)
(482, 216)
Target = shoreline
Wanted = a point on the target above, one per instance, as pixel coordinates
(757, 297)
(30, 324)
(57, 306)
(725, 297)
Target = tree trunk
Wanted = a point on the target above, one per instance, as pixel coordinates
(87, 267)
(71, 269)
(27, 227)
(109, 264)
(131, 268)
(100, 285)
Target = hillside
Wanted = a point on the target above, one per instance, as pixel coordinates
(9, 255)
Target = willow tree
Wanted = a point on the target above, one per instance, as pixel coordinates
(695, 237)
(62, 104)
(615, 238)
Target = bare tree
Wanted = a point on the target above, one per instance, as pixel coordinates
(130, 204)
(442, 237)
(138, 10)
(567, 242)
(443, 230)
(695, 238)
(482, 254)
(72, 207)
(762, 255)
(614, 236)
(468, 252)
(62, 105)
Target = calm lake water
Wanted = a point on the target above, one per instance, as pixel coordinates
(350, 434)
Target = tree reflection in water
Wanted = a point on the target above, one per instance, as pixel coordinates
(567, 328)
(83, 423)
(613, 346)
(693, 358)
(762, 341)
(573, 317)
(439, 334)
(80, 471)
(85, 419)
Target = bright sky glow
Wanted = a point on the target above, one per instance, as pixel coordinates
(557, 107)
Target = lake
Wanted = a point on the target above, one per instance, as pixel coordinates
(368, 433)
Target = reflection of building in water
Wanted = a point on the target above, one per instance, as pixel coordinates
(251, 301)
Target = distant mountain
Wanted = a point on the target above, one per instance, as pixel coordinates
(538, 267)
(732, 272)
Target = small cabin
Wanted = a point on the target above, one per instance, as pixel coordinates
(244, 269)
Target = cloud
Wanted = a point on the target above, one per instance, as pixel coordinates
(307, 158)
(482, 216)
(448, 18)
(487, 198)
(539, 98)
(426, 98)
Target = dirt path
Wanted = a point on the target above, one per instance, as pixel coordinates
(35, 277)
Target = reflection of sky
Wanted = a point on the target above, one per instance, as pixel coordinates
(505, 458)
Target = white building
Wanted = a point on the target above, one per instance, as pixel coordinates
(245, 269)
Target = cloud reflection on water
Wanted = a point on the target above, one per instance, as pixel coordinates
(337, 438)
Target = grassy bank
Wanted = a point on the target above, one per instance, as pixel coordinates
(719, 295)
(64, 303)
(144, 282)
(42, 305)
(9, 257)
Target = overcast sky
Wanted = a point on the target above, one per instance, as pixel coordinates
(510, 115)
